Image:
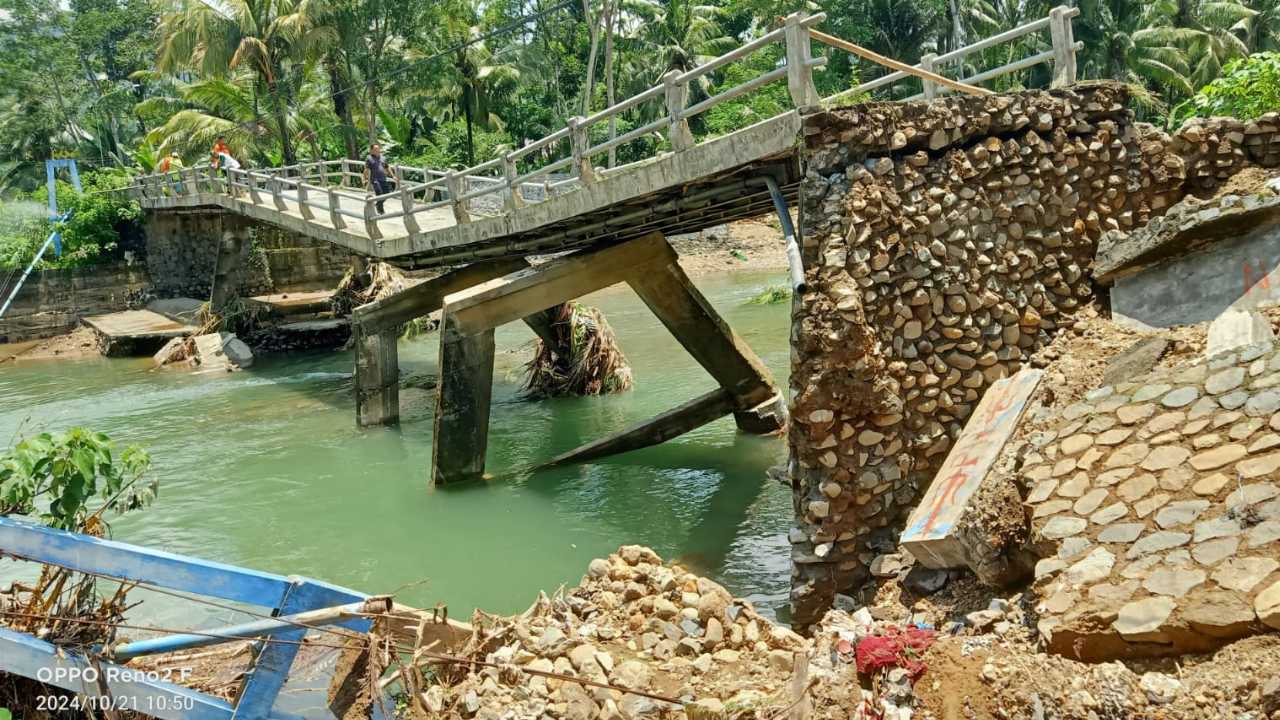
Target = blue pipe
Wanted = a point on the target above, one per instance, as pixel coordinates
(794, 262)
(258, 628)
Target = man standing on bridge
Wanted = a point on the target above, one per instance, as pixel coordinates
(375, 174)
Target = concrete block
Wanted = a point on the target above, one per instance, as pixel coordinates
(932, 533)
(1237, 328)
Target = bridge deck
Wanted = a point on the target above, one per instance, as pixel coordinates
(687, 186)
(703, 186)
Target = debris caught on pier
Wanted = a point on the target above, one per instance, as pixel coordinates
(586, 360)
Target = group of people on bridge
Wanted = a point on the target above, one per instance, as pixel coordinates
(379, 176)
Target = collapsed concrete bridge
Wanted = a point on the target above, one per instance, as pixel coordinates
(484, 221)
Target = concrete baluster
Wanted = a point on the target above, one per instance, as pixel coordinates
(406, 204)
(371, 219)
(580, 139)
(930, 87)
(303, 208)
(254, 197)
(1064, 47)
(677, 97)
(277, 193)
(335, 218)
(799, 73)
(457, 188)
(513, 200)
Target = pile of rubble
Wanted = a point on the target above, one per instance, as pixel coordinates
(638, 625)
(649, 640)
(946, 244)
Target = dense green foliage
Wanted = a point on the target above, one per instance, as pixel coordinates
(120, 83)
(100, 223)
(1248, 88)
(64, 479)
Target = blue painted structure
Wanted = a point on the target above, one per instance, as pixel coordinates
(24, 655)
(55, 238)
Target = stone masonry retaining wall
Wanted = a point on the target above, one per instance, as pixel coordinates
(943, 242)
(53, 301)
(1157, 512)
(181, 249)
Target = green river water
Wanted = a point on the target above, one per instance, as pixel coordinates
(267, 469)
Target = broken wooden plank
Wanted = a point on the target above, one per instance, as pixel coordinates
(930, 532)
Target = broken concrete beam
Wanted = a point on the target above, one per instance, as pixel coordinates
(1198, 264)
(1237, 328)
(428, 296)
(677, 302)
(1138, 359)
(134, 332)
(221, 352)
(931, 534)
(670, 424)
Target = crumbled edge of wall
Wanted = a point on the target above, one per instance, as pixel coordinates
(943, 242)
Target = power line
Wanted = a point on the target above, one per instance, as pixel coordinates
(514, 25)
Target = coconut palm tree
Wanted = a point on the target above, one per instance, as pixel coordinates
(474, 80)
(1260, 30)
(262, 36)
(1204, 30)
(679, 34)
(1128, 40)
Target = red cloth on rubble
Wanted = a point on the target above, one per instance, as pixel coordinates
(896, 647)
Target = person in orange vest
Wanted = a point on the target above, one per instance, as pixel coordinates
(220, 147)
(169, 162)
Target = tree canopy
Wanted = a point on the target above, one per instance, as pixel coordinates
(120, 83)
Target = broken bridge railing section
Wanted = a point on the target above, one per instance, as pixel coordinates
(330, 192)
(1061, 54)
(295, 605)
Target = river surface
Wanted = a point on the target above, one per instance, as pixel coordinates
(267, 469)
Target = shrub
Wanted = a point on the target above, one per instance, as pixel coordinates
(1248, 88)
(56, 477)
(102, 223)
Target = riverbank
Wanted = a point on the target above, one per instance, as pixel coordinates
(642, 637)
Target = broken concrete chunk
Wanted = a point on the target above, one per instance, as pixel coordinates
(1235, 329)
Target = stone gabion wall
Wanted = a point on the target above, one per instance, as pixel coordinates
(944, 242)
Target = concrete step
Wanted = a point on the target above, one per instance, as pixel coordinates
(290, 305)
(135, 332)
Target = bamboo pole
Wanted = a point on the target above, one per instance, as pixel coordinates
(875, 57)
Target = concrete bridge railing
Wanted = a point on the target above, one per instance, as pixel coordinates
(332, 190)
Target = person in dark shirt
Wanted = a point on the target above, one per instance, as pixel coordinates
(376, 173)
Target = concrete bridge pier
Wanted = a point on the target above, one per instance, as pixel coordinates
(649, 265)
(376, 328)
(377, 377)
(230, 268)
